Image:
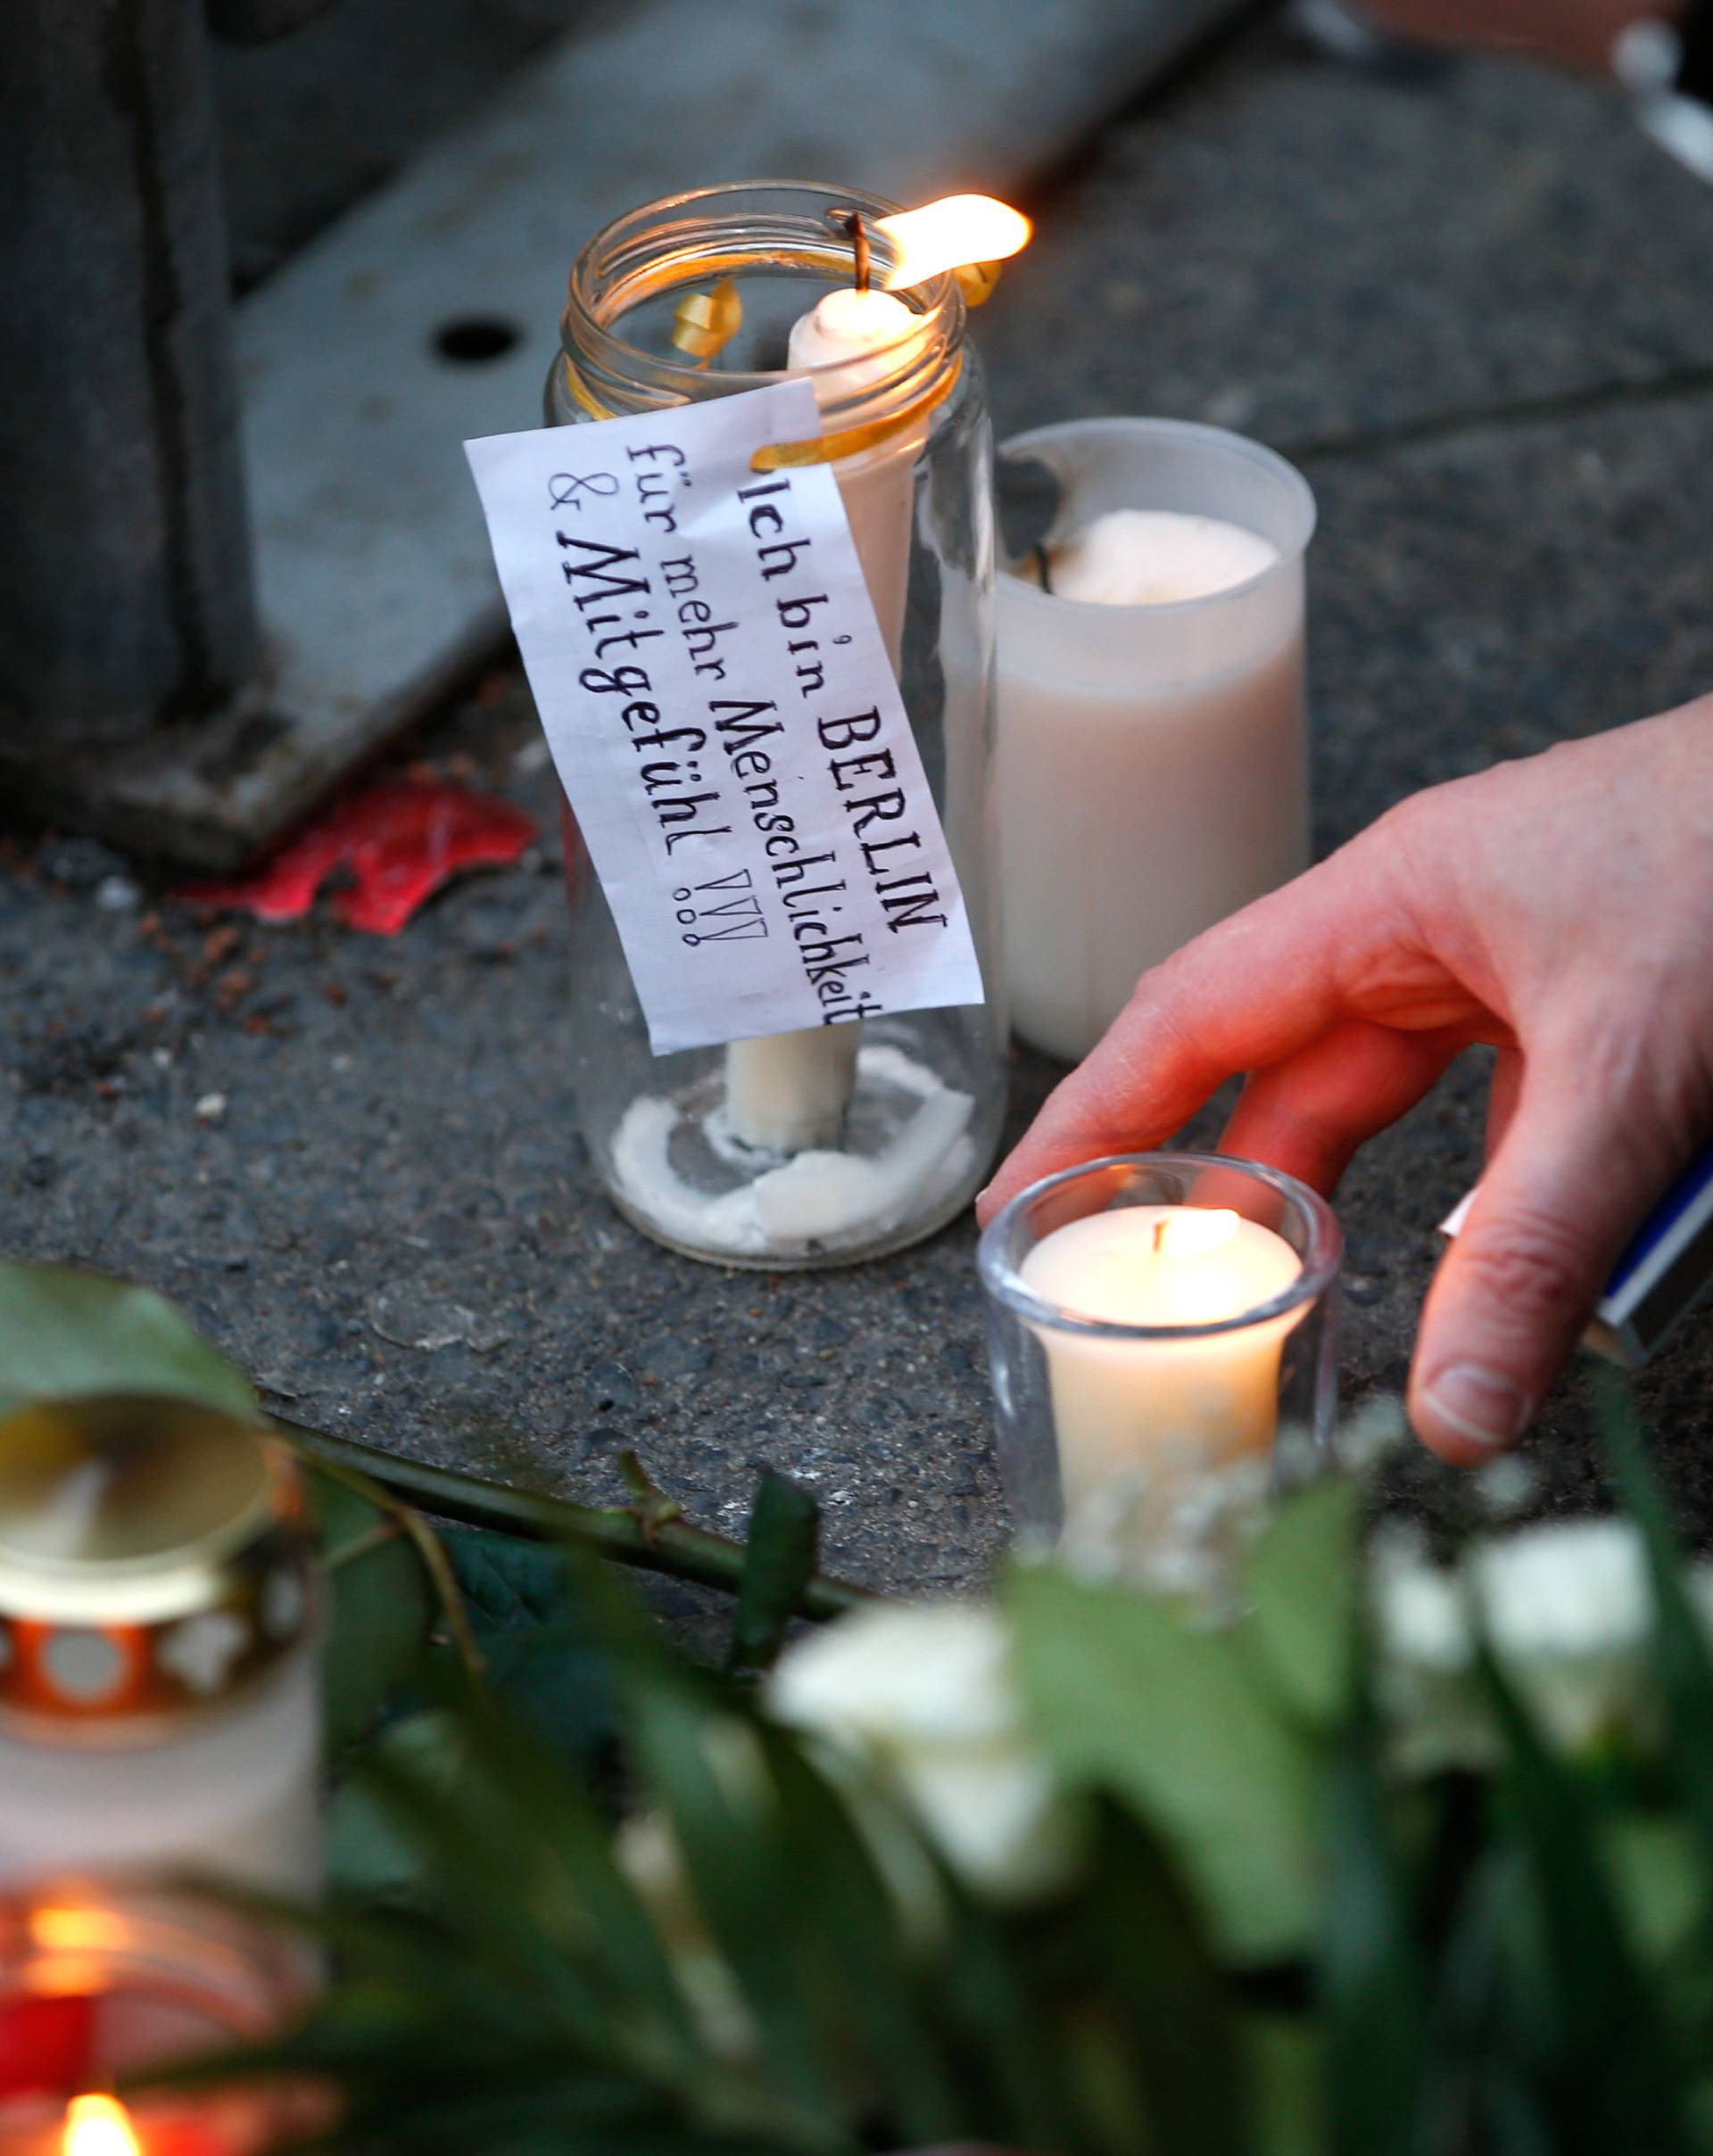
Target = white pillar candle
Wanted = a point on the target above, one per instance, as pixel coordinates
(1152, 759)
(850, 342)
(1158, 557)
(787, 1093)
(1130, 1407)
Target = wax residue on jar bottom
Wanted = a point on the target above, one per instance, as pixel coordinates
(816, 1200)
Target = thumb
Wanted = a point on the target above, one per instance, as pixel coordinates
(1572, 1177)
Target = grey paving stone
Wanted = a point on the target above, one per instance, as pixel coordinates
(1305, 252)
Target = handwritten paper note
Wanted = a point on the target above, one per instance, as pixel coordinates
(724, 720)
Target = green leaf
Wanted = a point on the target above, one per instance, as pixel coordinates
(367, 1858)
(985, 1990)
(1482, 2054)
(561, 1685)
(561, 1850)
(1681, 1653)
(1612, 2075)
(845, 1916)
(1370, 1982)
(1655, 1869)
(1125, 1696)
(509, 1583)
(1513, 2119)
(483, 1876)
(706, 1768)
(66, 1333)
(778, 1563)
(1144, 1939)
(542, 1658)
(1304, 1584)
(384, 1608)
(448, 2090)
(1285, 2072)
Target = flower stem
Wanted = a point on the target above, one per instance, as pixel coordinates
(647, 1533)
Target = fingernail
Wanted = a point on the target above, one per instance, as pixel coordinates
(1485, 1408)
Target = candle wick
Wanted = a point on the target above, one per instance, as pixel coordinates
(850, 223)
(1044, 570)
(1159, 1238)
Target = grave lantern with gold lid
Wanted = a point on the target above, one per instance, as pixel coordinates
(159, 1732)
(158, 1626)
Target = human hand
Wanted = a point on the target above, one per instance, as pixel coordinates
(1559, 908)
(1579, 33)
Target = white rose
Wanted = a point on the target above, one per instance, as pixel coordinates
(1426, 1659)
(1568, 1611)
(923, 1694)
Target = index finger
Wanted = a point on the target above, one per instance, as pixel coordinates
(1333, 945)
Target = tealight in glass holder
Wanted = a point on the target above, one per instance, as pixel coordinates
(849, 1140)
(1161, 1329)
(98, 1991)
(1153, 758)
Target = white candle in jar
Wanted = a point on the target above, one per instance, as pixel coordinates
(1156, 558)
(1128, 1406)
(787, 1093)
(850, 341)
(1151, 744)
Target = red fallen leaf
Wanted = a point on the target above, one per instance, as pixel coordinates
(45, 2047)
(397, 842)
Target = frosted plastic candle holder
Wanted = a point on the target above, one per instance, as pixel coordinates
(1099, 1422)
(1153, 760)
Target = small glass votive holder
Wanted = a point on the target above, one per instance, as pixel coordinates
(1163, 1334)
(100, 1985)
(1152, 767)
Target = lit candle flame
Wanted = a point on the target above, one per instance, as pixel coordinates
(1194, 1231)
(97, 2125)
(78, 1931)
(948, 235)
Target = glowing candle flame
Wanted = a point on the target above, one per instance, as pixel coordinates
(97, 2125)
(947, 234)
(1195, 1231)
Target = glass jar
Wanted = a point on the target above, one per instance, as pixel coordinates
(1163, 1334)
(848, 1141)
